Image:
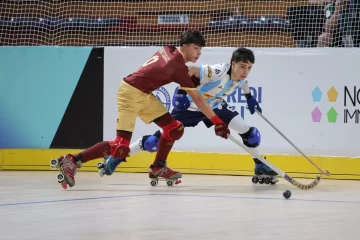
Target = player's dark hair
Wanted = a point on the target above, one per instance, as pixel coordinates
(243, 55)
(192, 36)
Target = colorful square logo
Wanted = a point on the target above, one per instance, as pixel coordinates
(332, 95)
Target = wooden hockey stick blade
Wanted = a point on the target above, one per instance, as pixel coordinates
(297, 184)
(327, 173)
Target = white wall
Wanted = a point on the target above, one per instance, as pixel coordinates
(286, 77)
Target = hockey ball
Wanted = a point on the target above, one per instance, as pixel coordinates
(287, 194)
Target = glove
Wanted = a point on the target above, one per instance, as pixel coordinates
(252, 103)
(180, 100)
(221, 129)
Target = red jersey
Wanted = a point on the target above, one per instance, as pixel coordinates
(165, 66)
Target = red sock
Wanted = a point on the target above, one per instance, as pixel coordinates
(165, 145)
(99, 150)
(164, 148)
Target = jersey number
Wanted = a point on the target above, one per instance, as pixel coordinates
(230, 108)
(154, 59)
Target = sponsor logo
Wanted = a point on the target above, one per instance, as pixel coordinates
(163, 96)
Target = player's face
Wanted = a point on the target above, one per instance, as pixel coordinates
(241, 70)
(192, 52)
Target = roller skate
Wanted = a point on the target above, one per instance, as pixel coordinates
(164, 173)
(109, 165)
(264, 174)
(67, 166)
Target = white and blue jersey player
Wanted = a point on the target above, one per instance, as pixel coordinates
(216, 82)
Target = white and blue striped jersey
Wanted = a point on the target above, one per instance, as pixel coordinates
(215, 83)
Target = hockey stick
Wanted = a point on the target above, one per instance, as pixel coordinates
(327, 173)
(276, 169)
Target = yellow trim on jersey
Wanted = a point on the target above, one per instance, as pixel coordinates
(186, 88)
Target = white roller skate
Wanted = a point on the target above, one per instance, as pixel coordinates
(67, 166)
(166, 174)
(264, 174)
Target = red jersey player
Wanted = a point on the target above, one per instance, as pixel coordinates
(135, 99)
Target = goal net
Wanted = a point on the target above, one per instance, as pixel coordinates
(224, 23)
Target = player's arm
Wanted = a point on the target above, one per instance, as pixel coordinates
(220, 127)
(201, 103)
(251, 101)
(194, 70)
(189, 84)
(245, 87)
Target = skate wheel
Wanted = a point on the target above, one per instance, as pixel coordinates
(101, 172)
(170, 183)
(54, 163)
(255, 179)
(267, 180)
(178, 182)
(100, 165)
(153, 183)
(261, 181)
(60, 178)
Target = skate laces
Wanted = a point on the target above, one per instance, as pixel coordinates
(161, 171)
(68, 165)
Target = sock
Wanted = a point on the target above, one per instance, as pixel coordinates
(238, 125)
(164, 148)
(135, 147)
(99, 150)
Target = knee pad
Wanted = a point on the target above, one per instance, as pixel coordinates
(150, 143)
(119, 148)
(173, 131)
(251, 138)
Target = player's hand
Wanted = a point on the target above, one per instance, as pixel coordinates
(252, 103)
(195, 80)
(180, 101)
(221, 129)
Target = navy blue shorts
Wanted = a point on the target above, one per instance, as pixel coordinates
(191, 118)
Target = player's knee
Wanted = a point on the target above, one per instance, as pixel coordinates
(173, 131)
(251, 138)
(119, 148)
(150, 143)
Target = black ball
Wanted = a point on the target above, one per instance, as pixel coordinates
(287, 194)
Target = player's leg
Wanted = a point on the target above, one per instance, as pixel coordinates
(147, 143)
(70, 162)
(251, 138)
(250, 135)
(150, 143)
(172, 130)
(130, 102)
